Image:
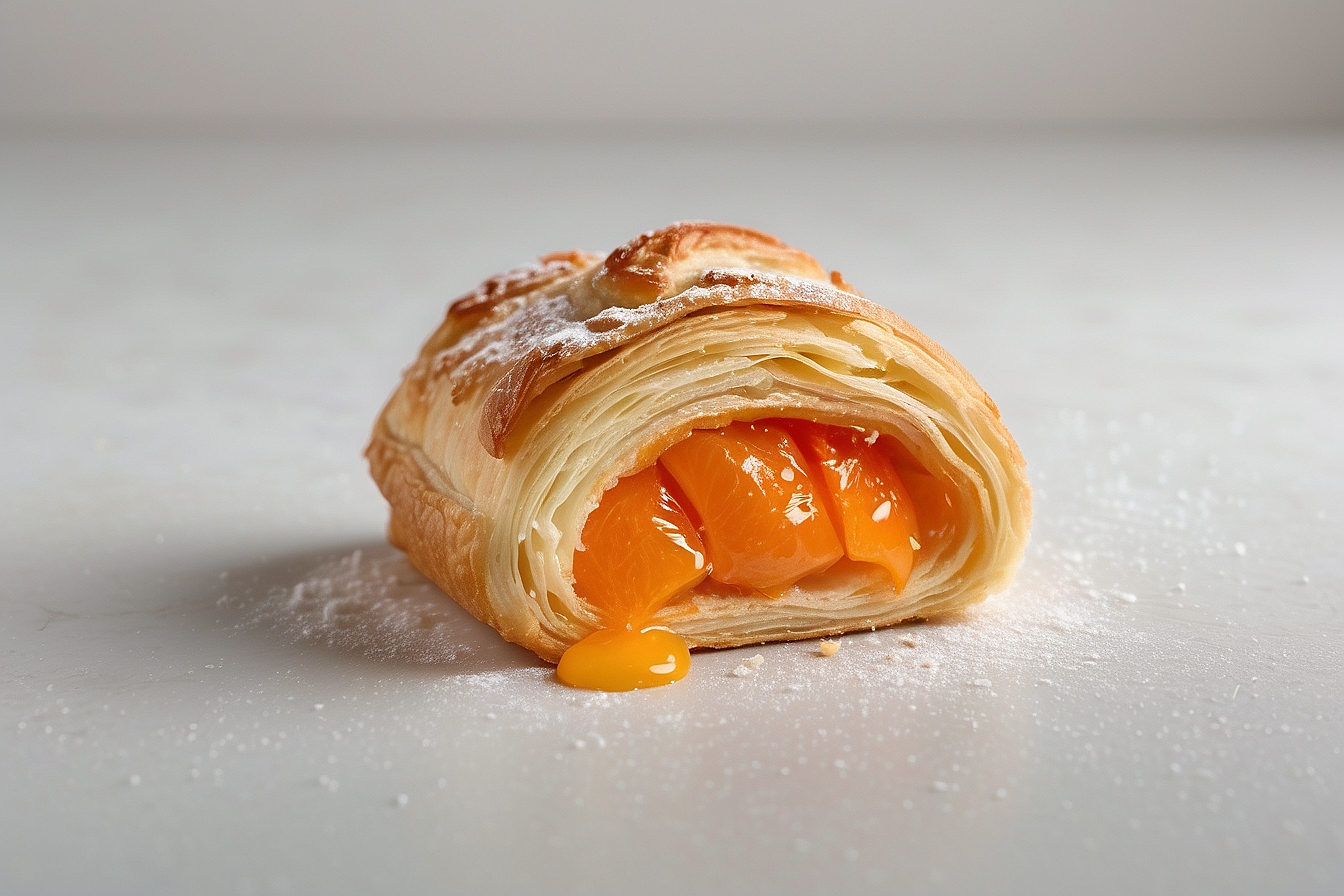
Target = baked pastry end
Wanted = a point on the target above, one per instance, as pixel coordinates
(702, 439)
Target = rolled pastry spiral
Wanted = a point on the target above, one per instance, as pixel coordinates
(548, 383)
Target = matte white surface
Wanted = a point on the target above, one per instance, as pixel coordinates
(275, 63)
(196, 337)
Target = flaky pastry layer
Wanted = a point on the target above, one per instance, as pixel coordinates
(548, 383)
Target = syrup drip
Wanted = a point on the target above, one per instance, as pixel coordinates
(640, 550)
(625, 659)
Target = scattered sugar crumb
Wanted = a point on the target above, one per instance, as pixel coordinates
(828, 648)
(983, 683)
(743, 670)
(402, 800)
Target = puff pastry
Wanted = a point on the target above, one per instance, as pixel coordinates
(546, 385)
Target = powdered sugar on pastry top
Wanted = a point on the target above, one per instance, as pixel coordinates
(524, 330)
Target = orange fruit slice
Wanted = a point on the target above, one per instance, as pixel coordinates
(939, 512)
(876, 512)
(639, 550)
(765, 524)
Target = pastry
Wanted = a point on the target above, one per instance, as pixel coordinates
(703, 439)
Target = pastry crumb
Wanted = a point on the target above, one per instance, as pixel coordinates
(909, 642)
(749, 666)
(828, 648)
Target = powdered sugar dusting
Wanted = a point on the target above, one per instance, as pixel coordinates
(530, 338)
(371, 603)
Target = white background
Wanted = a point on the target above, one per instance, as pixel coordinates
(325, 62)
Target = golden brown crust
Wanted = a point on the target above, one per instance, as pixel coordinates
(441, 536)
(650, 266)
(514, 377)
(489, 294)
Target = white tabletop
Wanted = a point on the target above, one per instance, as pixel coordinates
(217, 677)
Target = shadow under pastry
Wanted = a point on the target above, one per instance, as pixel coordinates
(367, 600)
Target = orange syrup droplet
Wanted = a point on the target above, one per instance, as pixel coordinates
(625, 659)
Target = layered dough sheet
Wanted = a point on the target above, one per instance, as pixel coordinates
(546, 385)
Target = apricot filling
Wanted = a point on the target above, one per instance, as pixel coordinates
(754, 506)
(638, 550)
(765, 524)
(877, 516)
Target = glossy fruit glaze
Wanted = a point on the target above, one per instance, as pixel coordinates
(638, 550)
(755, 506)
(765, 523)
(876, 513)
